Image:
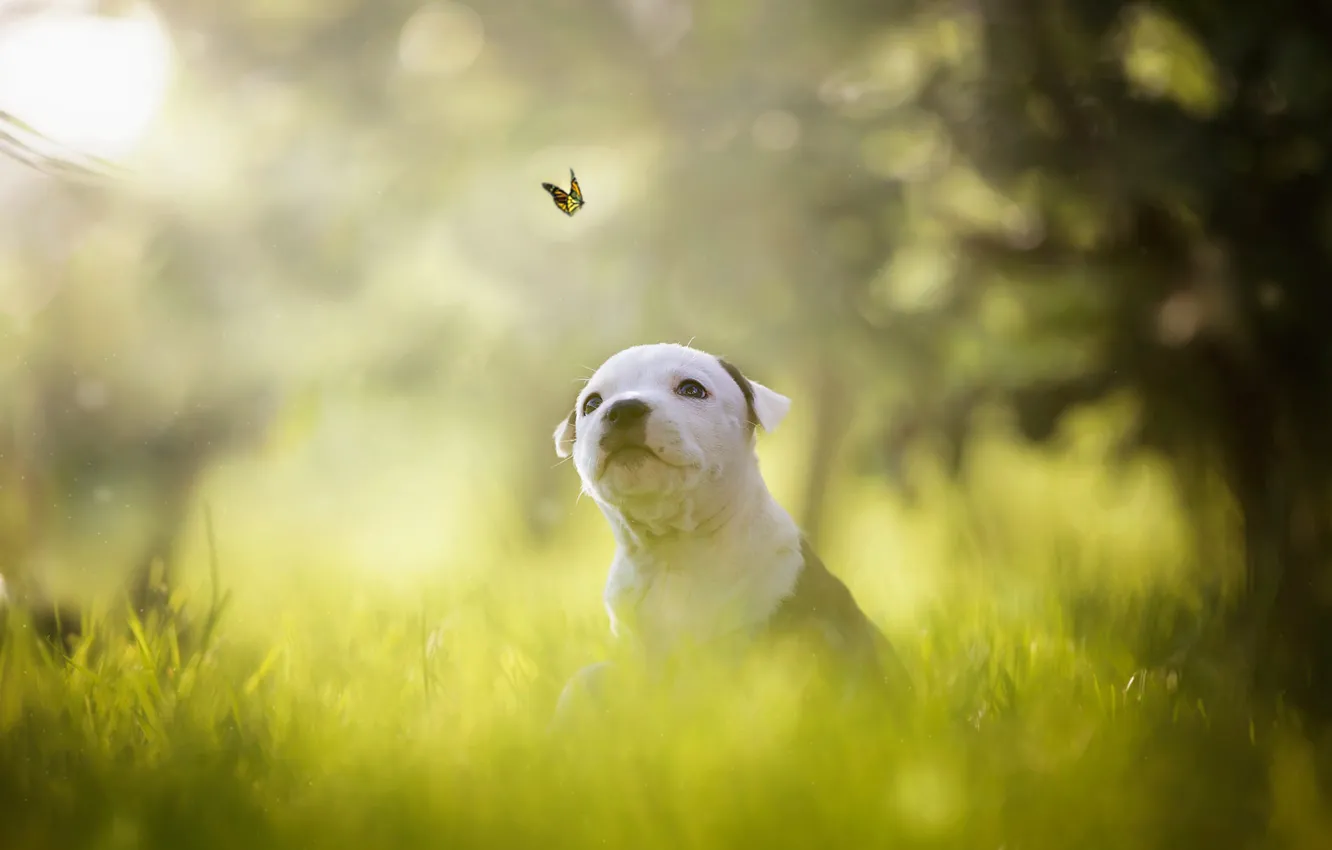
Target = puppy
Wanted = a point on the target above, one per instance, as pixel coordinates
(663, 438)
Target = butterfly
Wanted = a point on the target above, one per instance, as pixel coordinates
(568, 202)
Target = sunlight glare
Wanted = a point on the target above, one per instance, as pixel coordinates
(92, 83)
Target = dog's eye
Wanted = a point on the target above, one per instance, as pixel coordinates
(591, 403)
(689, 388)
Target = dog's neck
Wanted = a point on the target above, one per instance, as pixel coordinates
(715, 505)
(705, 568)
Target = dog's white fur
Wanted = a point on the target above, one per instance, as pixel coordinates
(704, 552)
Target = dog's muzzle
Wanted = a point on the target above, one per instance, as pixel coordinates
(626, 426)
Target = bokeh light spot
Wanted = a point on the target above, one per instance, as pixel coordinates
(927, 797)
(909, 150)
(776, 131)
(93, 83)
(1162, 58)
(441, 39)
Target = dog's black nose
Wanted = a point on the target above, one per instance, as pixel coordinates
(626, 412)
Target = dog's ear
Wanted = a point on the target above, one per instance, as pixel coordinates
(770, 407)
(767, 408)
(564, 435)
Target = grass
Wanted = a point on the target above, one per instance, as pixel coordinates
(388, 737)
(317, 710)
(393, 735)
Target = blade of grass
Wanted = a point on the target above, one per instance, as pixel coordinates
(264, 667)
(218, 601)
(424, 640)
(145, 652)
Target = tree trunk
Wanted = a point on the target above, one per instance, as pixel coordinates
(832, 402)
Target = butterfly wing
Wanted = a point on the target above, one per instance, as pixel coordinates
(567, 202)
(563, 202)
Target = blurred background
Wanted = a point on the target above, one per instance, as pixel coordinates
(283, 308)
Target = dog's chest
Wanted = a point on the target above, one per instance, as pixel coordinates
(695, 596)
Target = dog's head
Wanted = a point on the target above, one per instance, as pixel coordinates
(660, 430)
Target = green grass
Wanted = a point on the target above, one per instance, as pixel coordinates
(329, 710)
(389, 734)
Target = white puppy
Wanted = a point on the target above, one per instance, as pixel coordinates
(663, 438)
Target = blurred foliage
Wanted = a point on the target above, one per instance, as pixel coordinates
(369, 724)
(330, 300)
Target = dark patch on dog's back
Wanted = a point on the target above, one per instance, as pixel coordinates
(822, 613)
(746, 389)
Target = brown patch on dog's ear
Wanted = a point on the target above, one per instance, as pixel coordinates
(765, 408)
(746, 389)
(565, 434)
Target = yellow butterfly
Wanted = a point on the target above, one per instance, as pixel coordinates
(568, 202)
